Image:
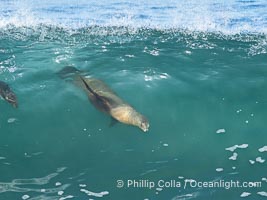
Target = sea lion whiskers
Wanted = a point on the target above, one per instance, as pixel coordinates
(128, 115)
(12, 99)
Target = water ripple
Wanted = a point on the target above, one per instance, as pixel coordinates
(28, 185)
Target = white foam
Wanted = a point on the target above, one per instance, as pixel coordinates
(11, 120)
(252, 162)
(67, 197)
(188, 52)
(233, 148)
(185, 196)
(164, 76)
(215, 16)
(264, 194)
(154, 52)
(58, 184)
(263, 149)
(24, 197)
(129, 56)
(219, 16)
(82, 185)
(60, 193)
(242, 146)
(245, 194)
(219, 169)
(260, 160)
(152, 75)
(234, 156)
(61, 169)
(95, 194)
(220, 131)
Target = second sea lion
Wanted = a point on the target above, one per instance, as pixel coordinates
(8, 94)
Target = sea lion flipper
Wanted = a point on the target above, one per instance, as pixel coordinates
(100, 96)
(104, 103)
(112, 122)
(88, 87)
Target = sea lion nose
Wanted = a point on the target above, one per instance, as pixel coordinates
(12, 101)
(145, 129)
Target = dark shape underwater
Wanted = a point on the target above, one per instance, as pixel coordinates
(8, 94)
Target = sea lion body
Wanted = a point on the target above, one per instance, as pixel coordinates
(7, 94)
(106, 100)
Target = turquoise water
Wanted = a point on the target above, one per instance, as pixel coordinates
(202, 91)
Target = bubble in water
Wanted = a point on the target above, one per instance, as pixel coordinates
(245, 194)
(234, 156)
(260, 160)
(11, 120)
(264, 194)
(220, 131)
(263, 149)
(24, 197)
(219, 169)
(58, 184)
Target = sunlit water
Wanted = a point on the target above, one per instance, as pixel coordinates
(196, 70)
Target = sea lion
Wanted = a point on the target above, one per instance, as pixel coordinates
(107, 101)
(8, 94)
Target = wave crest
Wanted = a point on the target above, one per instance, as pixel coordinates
(206, 16)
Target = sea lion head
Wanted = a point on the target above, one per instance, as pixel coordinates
(11, 98)
(144, 124)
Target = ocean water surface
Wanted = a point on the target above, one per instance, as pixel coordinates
(196, 70)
